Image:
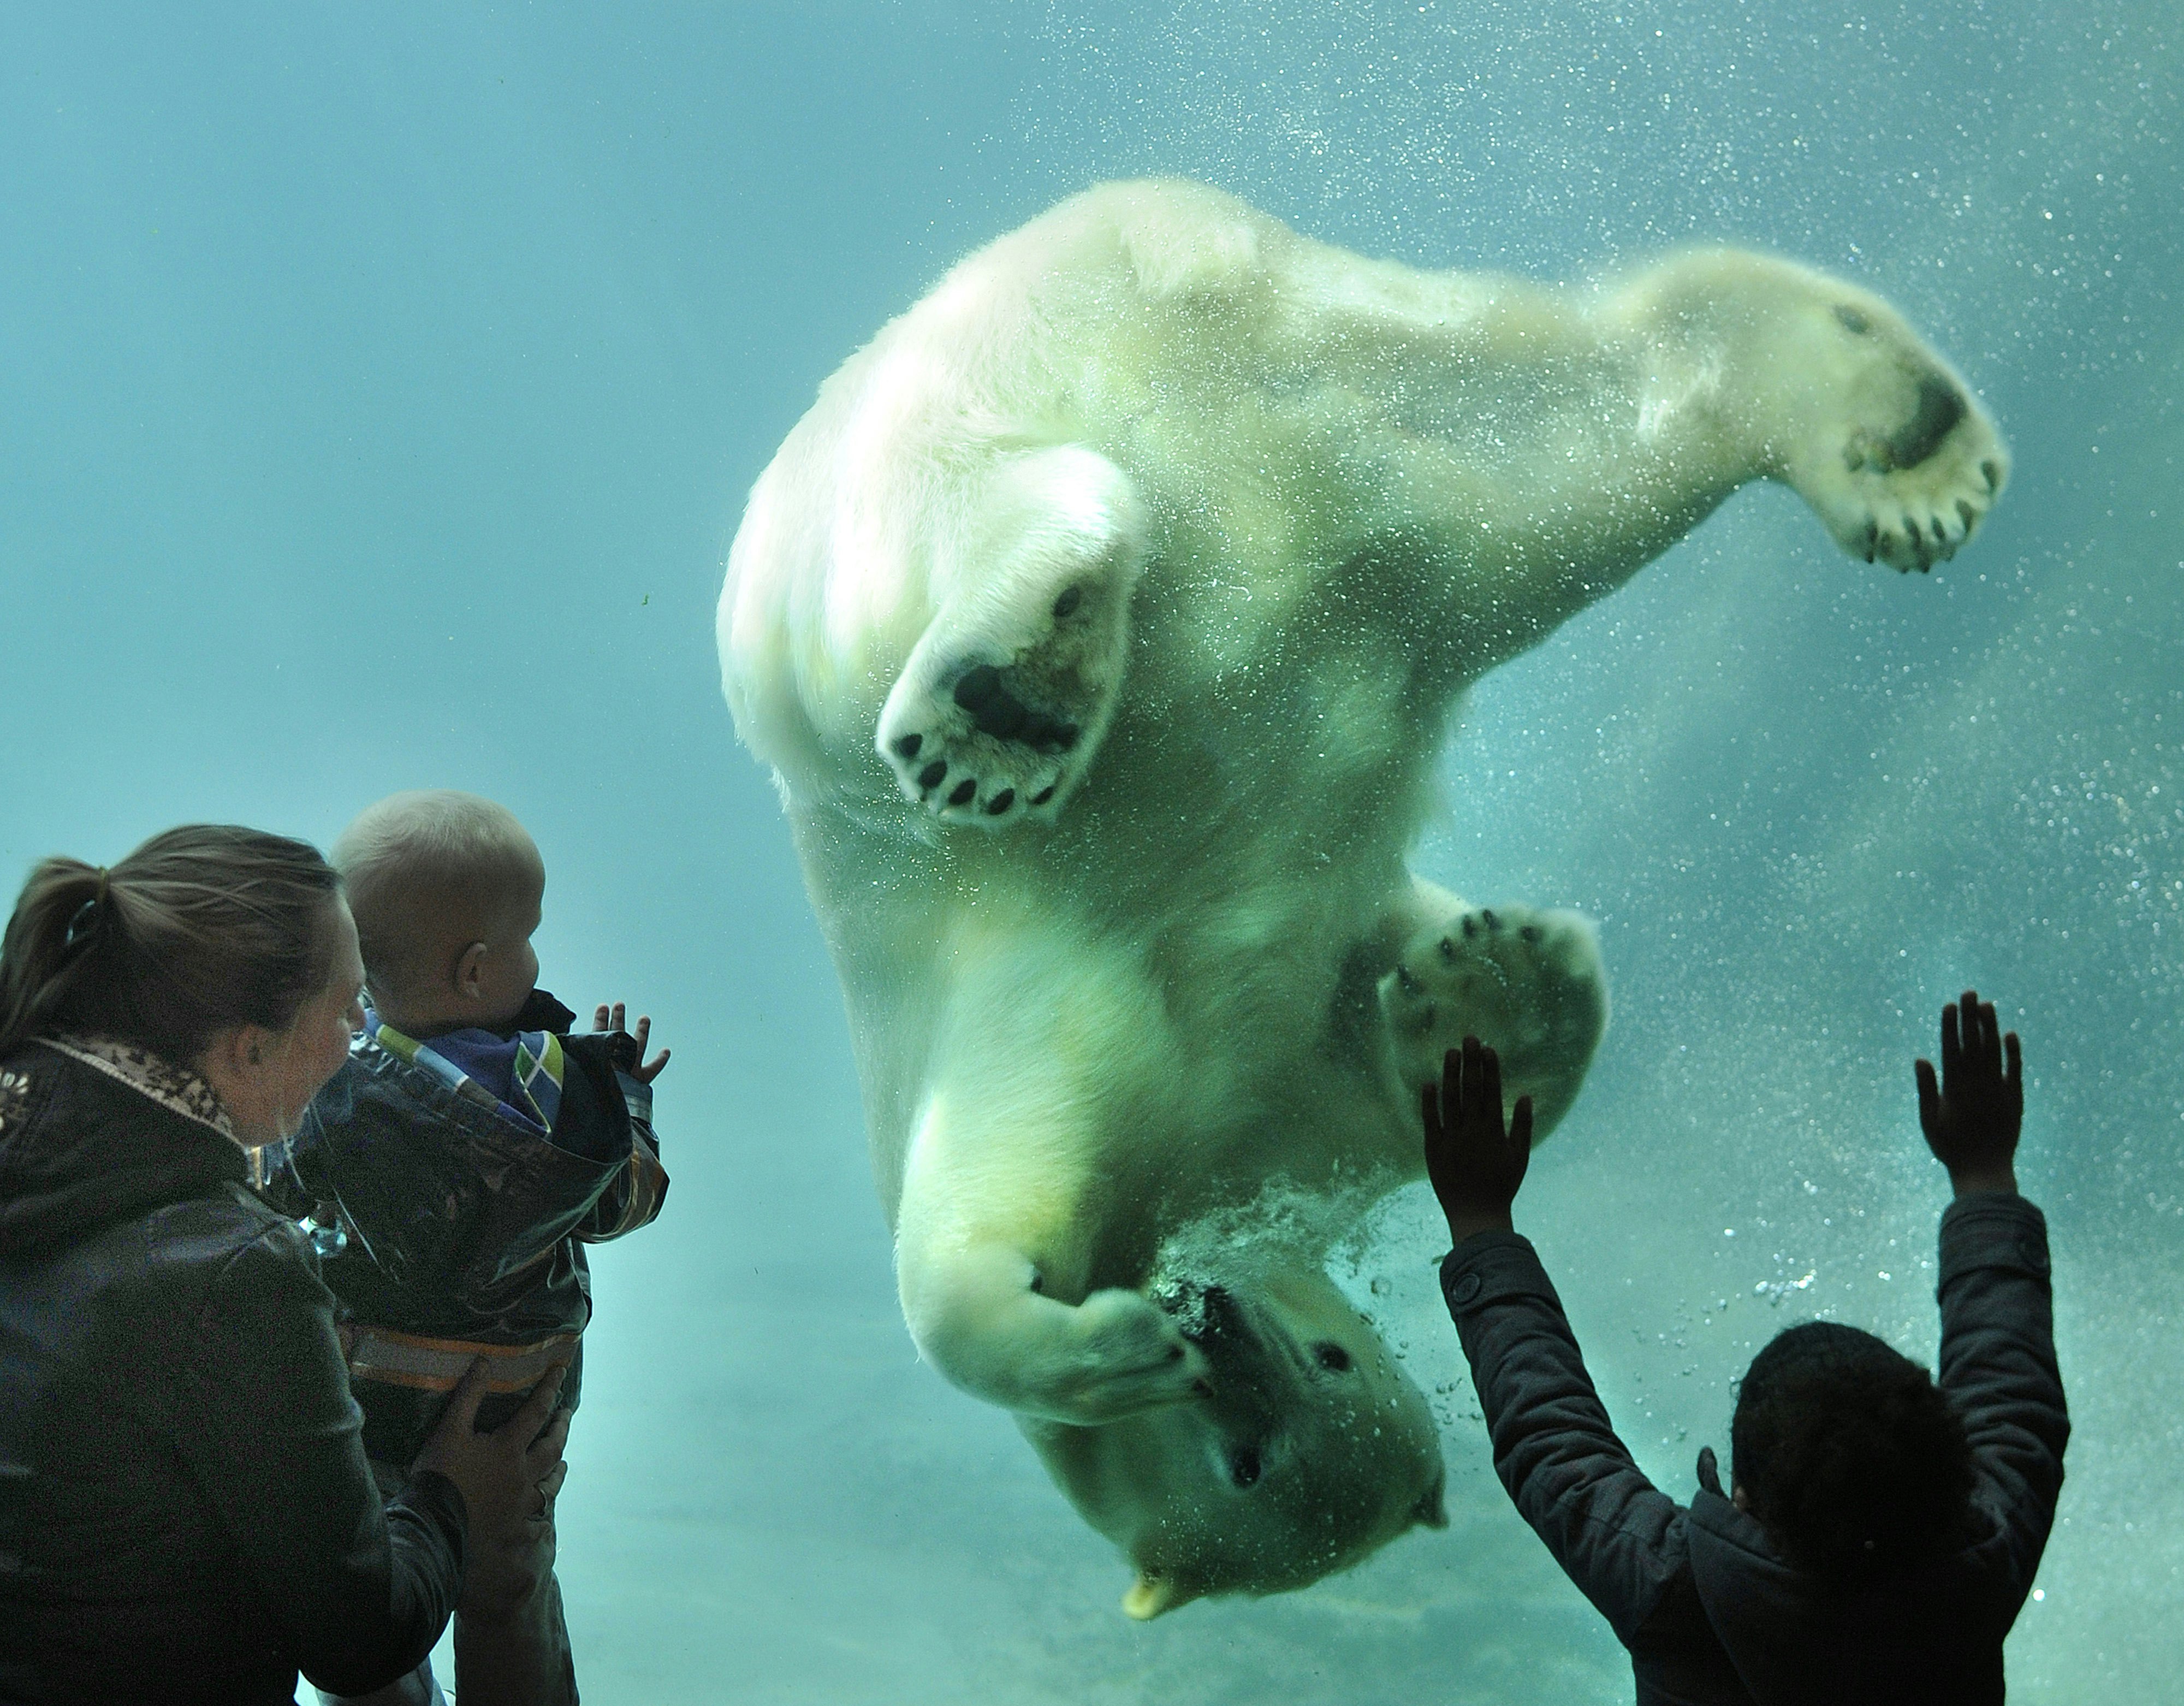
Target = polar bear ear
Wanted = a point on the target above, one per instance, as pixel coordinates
(1431, 1509)
(1151, 1595)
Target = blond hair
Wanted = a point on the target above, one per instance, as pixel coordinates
(427, 873)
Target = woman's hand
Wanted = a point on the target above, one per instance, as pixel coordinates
(1475, 1166)
(508, 1479)
(1971, 1116)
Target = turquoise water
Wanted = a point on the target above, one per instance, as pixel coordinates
(378, 389)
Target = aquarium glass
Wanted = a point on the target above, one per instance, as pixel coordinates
(379, 390)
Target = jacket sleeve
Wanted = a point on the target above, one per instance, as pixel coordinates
(273, 1438)
(1617, 1537)
(633, 1197)
(1998, 1364)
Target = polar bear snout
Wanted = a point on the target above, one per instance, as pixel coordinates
(1245, 1355)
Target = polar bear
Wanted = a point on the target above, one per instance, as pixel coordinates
(1101, 623)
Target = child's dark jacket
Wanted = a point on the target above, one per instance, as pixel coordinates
(1710, 1612)
(462, 1230)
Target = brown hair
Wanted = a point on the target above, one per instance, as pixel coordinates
(202, 927)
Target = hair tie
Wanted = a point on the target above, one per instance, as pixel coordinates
(87, 916)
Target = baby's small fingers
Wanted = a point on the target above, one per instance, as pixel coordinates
(599, 1017)
(644, 1031)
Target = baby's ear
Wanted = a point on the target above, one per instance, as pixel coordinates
(1152, 1594)
(470, 970)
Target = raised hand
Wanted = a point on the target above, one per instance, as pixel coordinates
(1971, 1116)
(1475, 1166)
(609, 1016)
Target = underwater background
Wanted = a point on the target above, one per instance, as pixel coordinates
(378, 391)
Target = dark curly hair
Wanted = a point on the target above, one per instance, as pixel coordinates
(1849, 1456)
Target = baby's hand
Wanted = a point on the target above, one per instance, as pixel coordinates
(610, 1017)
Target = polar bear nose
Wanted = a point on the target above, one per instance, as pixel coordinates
(1218, 1315)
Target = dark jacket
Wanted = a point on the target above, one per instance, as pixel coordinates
(1710, 1612)
(463, 1230)
(185, 1513)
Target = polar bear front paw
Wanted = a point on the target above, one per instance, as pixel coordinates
(1007, 694)
(1528, 983)
(984, 739)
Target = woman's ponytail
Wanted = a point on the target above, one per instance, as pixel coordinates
(47, 943)
(200, 928)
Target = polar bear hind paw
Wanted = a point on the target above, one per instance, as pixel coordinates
(1006, 696)
(1527, 982)
(1910, 474)
(1933, 477)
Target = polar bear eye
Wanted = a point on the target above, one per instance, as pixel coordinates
(1244, 1467)
(1331, 1356)
(1853, 321)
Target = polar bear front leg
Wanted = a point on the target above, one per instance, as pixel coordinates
(1527, 982)
(1006, 695)
(981, 1314)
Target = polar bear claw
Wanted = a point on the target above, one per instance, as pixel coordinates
(1913, 464)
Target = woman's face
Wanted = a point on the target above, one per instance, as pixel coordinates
(265, 1080)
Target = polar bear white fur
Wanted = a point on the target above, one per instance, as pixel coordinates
(1101, 622)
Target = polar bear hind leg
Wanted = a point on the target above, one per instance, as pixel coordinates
(1868, 423)
(1006, 697)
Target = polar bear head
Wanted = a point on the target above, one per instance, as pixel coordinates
(1311, 1450)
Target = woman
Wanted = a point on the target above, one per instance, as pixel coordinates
(185, 1513)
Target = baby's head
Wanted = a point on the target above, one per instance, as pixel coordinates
(446, 888)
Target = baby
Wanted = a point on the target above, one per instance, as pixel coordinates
(471, 1146)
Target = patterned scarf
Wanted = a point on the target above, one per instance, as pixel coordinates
(519, 1077)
